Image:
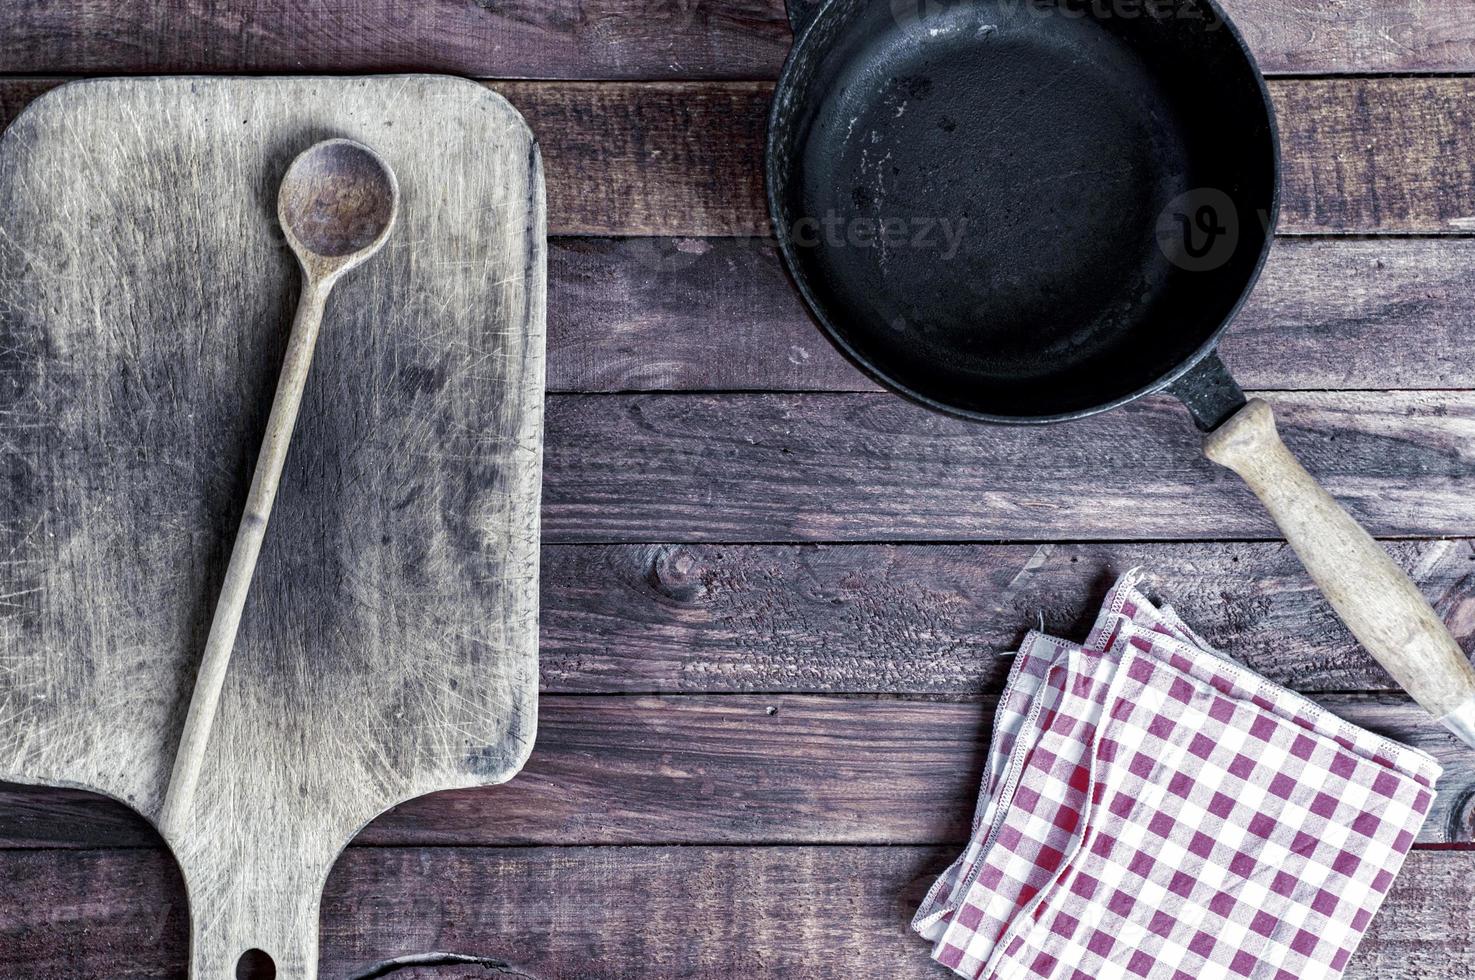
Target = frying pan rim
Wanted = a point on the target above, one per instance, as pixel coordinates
(774, 180)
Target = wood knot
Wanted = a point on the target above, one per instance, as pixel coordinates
(674, 572)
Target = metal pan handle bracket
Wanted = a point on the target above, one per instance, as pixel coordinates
(1209, 392)
(1379, 603)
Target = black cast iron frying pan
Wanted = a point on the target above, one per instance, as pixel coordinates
(1029, 211)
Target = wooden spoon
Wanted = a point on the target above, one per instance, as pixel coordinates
(337, 205)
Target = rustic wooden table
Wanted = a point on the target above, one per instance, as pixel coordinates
(773, 596)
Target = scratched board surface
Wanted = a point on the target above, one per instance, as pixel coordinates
(389, 645)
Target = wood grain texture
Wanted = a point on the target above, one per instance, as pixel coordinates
(1366, 155)
(650, 159)
(648, 314)
(614, 38)
(575, 39)
(389, 647)
(735, 769)
(1345, 141)
(933, 619)
(1318, 36)
(812, 912)
(1362, 155)
(871, 467)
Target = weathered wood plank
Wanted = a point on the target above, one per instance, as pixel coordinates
(1362, 155)
(640, 314)
(650, 159)
(1344, 141)
(1370, 155)
(729, 770)
(613, 38)
(580, 39)
(933, 619)
(127, 909)
(781, 912)
(791, 769)
(1314, 36)
(791, 912)
(871, 467)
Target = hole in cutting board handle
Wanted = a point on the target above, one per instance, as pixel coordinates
(255, 964)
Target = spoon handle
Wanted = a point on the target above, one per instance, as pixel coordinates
(190, 754)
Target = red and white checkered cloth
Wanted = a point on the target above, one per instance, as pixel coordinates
(1151, 809)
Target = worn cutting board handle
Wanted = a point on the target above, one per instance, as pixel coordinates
(1380, 604)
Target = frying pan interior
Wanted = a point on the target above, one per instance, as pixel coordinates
(1018, 210)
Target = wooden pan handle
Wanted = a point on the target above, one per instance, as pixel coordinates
(1378, 602)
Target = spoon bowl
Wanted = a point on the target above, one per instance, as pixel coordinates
(337, 205)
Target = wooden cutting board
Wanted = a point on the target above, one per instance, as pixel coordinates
(389, 645)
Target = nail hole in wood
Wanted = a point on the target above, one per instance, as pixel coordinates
(255, 964)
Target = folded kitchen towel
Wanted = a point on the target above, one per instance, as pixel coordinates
(1151, 809)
